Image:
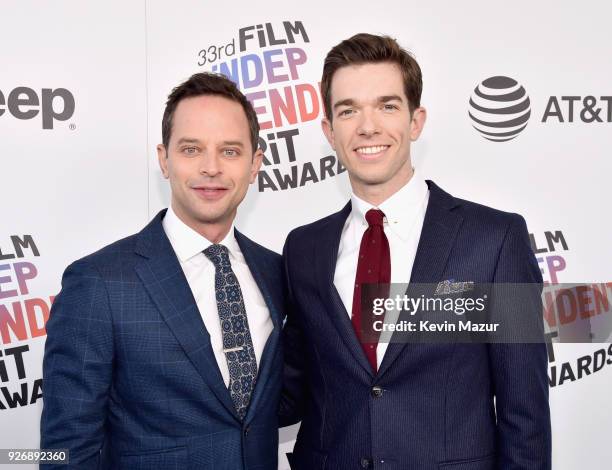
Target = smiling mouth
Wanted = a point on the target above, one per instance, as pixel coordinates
(371, 151)
(210, 194)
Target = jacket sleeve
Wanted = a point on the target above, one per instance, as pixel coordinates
(294, 371)
(520, 370)
(77, 368)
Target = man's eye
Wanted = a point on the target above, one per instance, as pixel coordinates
(345, 112)
(389, 107)
(230, 152)
(190, 150)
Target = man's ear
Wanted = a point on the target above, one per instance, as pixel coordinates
(417, 122)
(328, 130)
(256, 164)
(162, 158)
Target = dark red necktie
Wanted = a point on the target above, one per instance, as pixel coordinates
(373, 267)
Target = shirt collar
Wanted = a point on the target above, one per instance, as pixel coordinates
(188, 243)
(400, 209)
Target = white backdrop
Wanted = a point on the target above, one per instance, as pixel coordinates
(93, 177)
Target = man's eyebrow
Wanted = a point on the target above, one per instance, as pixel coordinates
(235, 143)
(380, 99)
(187, 140)
(346, 102)
(387, 98)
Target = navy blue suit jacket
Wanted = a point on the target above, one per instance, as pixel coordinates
(430, 406)
(130, 378)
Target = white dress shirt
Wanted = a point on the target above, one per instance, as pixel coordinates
(404, 215)
(200, 273)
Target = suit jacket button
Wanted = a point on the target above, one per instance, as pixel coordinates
(377, 391)
(366, 462)
(246, 431)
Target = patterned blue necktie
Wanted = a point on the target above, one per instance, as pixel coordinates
(237, 343)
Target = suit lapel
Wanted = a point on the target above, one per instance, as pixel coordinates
(164, 280)
(326, 256)
(438, 235)
(269, 282)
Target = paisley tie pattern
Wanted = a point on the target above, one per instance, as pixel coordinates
(237, 342)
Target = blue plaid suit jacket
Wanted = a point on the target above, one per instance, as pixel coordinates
(130, 379)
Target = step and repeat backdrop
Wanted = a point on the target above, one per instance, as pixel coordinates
(82, 92)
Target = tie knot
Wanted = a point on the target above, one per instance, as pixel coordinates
(218, 255)
(375, 217)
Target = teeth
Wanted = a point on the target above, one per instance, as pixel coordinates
(372, 150)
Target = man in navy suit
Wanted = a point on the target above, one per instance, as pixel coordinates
(378, 405)
(163, 348)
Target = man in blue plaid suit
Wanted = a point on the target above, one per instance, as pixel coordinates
(163, 348)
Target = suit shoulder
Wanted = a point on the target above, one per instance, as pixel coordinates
(313, 229)
(488, 217)
(108, 258)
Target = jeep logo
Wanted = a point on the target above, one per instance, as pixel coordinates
(24, 103)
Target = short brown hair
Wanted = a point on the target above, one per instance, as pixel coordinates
(365, 48)
(207, 83)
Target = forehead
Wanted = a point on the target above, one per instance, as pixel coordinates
(366, 82)
(215, 117)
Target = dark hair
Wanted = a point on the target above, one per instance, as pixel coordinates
(365, 48)
(207, 83)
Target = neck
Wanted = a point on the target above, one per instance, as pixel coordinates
(214, 232)
(376, 194)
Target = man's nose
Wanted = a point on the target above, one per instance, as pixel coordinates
(368, 124)
(210, 164)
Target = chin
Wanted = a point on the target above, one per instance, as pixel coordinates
(208, 216)
(214, 218)
(373, 179)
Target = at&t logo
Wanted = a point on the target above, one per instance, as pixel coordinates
(499, 108)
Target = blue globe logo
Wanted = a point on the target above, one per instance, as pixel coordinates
(499, 108)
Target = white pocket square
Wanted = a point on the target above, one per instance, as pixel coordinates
(451, 287)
